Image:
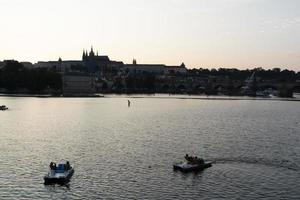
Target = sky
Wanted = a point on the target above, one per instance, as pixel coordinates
(201, 33)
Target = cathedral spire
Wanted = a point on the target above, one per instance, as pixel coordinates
(83, 54)
(92, 52)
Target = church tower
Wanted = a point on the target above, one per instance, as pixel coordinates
(92, 54)
(83, 55)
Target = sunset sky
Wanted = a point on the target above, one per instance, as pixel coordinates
(200, 33)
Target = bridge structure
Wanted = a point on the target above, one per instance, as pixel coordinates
(200, 84)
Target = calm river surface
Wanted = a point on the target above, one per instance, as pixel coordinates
(127, 153)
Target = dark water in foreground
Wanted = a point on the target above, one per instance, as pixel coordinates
(122, 152)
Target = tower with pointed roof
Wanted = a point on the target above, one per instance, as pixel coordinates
(84, 55)
(92, 54)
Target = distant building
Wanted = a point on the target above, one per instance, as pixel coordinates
(90, 62)
(78, 84)
(95, 62)
(47, 64)
(71, 65)
(2, 64)
(154, 68)
(144, 68)
(176, 69)
(27, 65)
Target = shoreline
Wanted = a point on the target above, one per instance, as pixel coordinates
(159, 96)
(201, 97)
(52, 96)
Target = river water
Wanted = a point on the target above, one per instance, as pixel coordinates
(127, 153)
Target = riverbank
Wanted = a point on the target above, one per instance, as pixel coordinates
(203, 97)
(52, 96)
(160, 96)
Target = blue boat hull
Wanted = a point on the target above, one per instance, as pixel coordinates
(60, 180)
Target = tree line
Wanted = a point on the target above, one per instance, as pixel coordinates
(275, 74)
(15, 77)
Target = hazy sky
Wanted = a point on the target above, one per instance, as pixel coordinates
(201, 33)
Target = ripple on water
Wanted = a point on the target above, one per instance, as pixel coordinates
(276, 163)
(258, 181)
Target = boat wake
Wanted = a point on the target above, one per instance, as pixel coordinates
(286, 164)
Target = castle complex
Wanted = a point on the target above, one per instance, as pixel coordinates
(94, 63)
(96, 71)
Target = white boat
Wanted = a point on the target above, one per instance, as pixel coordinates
(60, 173)
(188, 167)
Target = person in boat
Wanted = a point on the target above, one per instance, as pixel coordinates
(199, 160)
(52, 166)
(68, 165)
(190, 159)
(186, 156)
(194, 160)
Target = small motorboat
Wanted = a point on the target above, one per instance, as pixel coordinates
(192, 164)
(3, 107)
(60, 173)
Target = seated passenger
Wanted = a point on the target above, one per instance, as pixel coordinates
(186, 156)
(200, 161)
(52, 166)
(67, 165)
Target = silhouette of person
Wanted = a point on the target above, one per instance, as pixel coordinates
(128, 103)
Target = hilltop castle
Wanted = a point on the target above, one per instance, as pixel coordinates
(94, 63)
(90, 63)
(101, 63)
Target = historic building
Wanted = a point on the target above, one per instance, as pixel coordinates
(155, 68)
(94, 63)
(181, 69)
(62, 66)
(95, 72)
(90, 63)
(78, 84)
(99, 63)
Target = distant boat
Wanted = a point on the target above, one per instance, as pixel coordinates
(3, 107)
(192, 164)
(61, 173)
(263, 94)
(247, 89)
(188, 167)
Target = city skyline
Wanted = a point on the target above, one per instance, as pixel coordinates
(226, 33)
